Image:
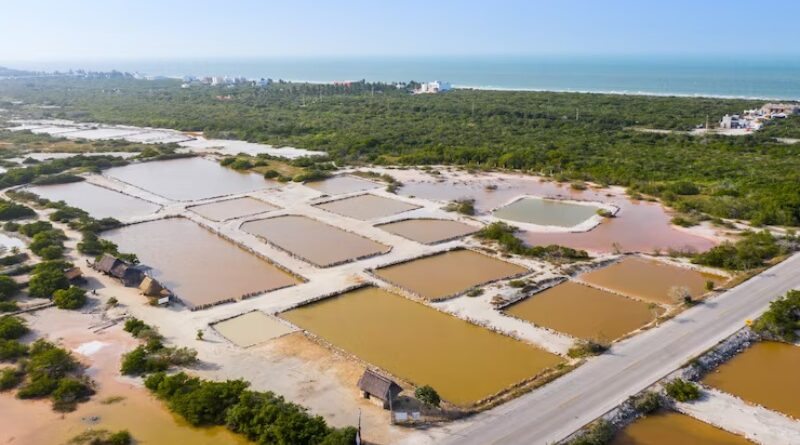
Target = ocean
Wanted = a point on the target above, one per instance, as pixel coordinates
(740, 76)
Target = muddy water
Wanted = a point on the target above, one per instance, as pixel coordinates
(366, 207)
(339, 185)
(670, 428)
(232, 208)
(649, 280)
(314, 241)
(188, 179)
(640, 226)
(442, 275)
(584, 312)
(97, 201)
(463, 362)
(147, 419)
(546, 212)
(252, 328)
(429, 231)
(200, 267)
(766, 374)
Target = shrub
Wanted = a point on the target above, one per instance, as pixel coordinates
(8, 306)
(586, 348)
(477, 292)
(45, 282)
(12, 210)
(598, 433)
(427, 395)
(682, 390)
(782, 319)
(749, 252)
(11, 350)
(12, 328)
(462, 206)
(102, 437)
(134, 326)
(271, 174)
(71, 298)
(10, 378)
(647, 403)
(504, 235)
(8, 287)
(69, 392)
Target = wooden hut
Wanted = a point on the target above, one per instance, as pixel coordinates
(129, 275)
(74, 275)
(379, 388)
(107, 263)
(151, 288)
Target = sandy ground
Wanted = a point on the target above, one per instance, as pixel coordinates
(730, 413)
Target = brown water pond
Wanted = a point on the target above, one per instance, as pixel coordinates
(446, 274)
(199, 266)
(314, 241)
(639, 226)
(339, 185)
(118, 404)
(670, 428)
(232, 208)
(252, 328)
(584, 312)
(649, 280)
(765, 374)
(366, 207)
(429, 231)
(188, 179)
(463, 362)
(97, 201)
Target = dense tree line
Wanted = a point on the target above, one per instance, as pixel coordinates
(566, 135)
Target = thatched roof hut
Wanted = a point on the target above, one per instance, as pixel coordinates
(381, 388)
(74, 274)
(151, 288)
(107, 263)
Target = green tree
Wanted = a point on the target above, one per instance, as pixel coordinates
(427, 395)
(46, 282)
(12, 328)
(71, 298)
(8, 287)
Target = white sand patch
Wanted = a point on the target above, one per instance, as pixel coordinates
(90, 348)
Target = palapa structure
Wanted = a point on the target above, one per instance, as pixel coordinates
(128, 274)
(152, 288)
(74, 275)
(378, 387)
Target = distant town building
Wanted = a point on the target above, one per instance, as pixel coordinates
(780, 109)
(437, 86)
(731, 121)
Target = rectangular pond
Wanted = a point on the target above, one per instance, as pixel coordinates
(767, 373)
(339, 185)
(199, 266)
(252, 328)
(671, 428)
(188, 179)
(463, 362)
(99, 202)
(446, 274)
(314, 241)
(584, 312)
(650, 280)
(429, 231)
(546, 212)
(367, 207)
(232, 208)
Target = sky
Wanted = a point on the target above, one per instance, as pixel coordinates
(143, 29)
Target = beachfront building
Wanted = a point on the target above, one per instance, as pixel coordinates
(731, 121)
(437, 86)
(378, 388)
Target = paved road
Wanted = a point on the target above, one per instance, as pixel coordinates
(558, 409)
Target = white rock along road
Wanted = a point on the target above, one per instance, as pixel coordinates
(559, 408)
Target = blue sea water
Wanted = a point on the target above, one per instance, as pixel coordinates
(739, 76)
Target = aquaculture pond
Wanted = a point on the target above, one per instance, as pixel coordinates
(98, 201)
(252, 328)
(314, 241)
(232, 208)
(584, 312)
(366, 207)
(339, 185)
(546, 212)
(188, 179)
(640, 226)
(670, 428)
(447, 274)
(650, 280)
(464, 362)
(429, 231)
(765, 374)
(199, 266)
